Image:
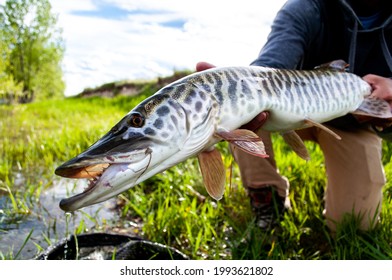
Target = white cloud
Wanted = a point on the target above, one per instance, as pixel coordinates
(100, 50)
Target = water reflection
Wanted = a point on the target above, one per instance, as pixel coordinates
(48, 222)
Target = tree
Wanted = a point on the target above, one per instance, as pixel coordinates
(9, 89)
(35, 48)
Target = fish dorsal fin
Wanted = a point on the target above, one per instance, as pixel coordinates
(335, 65)
(296, 144)
(213, 172)
(323, 127)
(246, 140)
(374, 107)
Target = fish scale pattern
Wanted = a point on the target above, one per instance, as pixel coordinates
(239, 93)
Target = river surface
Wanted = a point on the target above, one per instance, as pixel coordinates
(48, 223)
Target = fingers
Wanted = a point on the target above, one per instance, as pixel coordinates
(371, 79)
(256, 122)
(201, 66)
(381, 87)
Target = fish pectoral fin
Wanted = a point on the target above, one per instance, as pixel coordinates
(245, 140)
(295, 142)
(213, 172)
(323, 127)
(374, 108)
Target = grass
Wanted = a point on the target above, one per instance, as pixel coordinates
(35, 138)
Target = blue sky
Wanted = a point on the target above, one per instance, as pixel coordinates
(108, 40)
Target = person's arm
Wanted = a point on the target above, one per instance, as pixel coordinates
(295, 25)
(294, 28)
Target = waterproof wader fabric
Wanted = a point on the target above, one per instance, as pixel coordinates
(305, 34)
(355, 174)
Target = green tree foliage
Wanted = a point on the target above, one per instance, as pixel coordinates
(9, 89)
(32, 51)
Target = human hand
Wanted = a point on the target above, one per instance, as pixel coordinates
(257, 121)
(201, 66)
(381, 87)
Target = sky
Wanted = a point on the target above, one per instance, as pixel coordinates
(112, 40)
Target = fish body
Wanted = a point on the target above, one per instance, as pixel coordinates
(288, 95)
(186, 118)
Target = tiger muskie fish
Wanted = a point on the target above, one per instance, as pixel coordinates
(186, 118)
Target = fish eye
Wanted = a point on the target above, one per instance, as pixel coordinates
(136, 120)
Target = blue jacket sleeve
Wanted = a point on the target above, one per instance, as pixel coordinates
(294, 29)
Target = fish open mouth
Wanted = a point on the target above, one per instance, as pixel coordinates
(93, 173)
(107, 176)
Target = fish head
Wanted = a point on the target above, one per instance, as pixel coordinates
(135, 146)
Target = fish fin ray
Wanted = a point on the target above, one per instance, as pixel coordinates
(296, 144)
(213, 172)
(335, 65)
(245, 140)
(374, 107)
(322, 127)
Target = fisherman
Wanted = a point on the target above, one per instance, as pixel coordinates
(305, 34)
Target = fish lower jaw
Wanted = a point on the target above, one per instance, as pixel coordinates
(115, 179)
(86, 197)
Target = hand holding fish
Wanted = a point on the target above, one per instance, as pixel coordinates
(381, 87)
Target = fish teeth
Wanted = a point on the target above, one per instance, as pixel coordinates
(93, 180)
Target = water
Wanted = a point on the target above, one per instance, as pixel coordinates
(48, 222)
